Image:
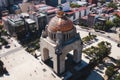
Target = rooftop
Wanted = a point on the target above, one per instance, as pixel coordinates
(73, 10)
(81, 3)
(37, 14)
(15, 20)
(85, 17)
(44, 7)
(117, 13)
(93, 14)
(30, 21)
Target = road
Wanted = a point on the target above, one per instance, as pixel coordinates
(107, 36)
(13, 43)
(11, 51)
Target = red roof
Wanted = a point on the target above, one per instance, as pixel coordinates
(117, 12)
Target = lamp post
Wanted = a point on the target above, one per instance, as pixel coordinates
(119, 38)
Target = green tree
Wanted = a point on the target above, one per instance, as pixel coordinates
(109, 24)
(109, 71)
(118, 77)
(4, 32)
(102, 1)
(117, 22)
(112, 5)
(99, 26)
(118, 63)
(73, 5)
(1, 68)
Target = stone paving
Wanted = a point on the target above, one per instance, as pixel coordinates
(23, 66)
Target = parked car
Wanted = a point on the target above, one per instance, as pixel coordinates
(118, 45)
(7, 46)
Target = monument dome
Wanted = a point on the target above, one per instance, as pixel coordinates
(60, 23)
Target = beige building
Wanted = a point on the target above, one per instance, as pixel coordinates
(59, 38)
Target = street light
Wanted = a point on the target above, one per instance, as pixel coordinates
(119, 41)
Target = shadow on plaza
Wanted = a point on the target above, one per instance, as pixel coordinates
(79, 71)
(69, 63)
(3, 70)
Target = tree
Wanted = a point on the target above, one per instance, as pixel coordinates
(110, 70)
(112, 5)
(86, 39)
(4, 32)
(74, 5)
(118, 77)
(109, 24)
(106, 26)
(117, 22)
(1, 27)
(118, 63)
(1, 68)
(102, 1)
(92, 37)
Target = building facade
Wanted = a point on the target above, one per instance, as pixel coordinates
(54, 2)
(40, 19)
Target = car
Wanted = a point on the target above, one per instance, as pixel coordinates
(108, 36)
(97, 31)
(7, 46)
(118, 45)
(0, 47)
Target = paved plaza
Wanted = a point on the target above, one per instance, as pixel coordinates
(23, 66)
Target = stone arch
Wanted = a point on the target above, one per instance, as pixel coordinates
(45, 54)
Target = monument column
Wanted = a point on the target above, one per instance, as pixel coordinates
(59, 63)
(77, 55)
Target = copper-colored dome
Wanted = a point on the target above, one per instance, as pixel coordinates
(60, 23)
